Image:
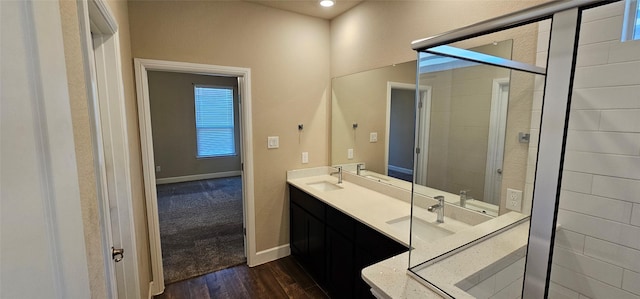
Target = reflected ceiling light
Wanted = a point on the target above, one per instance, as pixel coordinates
(327, 3)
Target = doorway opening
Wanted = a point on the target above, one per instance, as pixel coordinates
(197, 159)
(401, 114)
(218, 138)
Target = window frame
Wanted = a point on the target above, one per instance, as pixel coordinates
(631, 15)
(234, 120)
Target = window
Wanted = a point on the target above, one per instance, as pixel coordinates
(215, 132)
(631, 28)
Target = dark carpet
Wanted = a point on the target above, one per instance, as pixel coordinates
(200, 227)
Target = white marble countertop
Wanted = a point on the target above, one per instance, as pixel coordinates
(375, 205)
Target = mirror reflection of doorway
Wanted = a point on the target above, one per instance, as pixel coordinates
(402, 112)
(197, 154)
(497, 132)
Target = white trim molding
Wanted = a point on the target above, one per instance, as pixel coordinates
(197, 177)
(142, 66)
(272, 254)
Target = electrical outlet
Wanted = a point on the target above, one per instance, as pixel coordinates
(305, 157)
(350, 154)
(373, 137)
(514, 200)
(158, 168)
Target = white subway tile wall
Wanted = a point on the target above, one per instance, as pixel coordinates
(597, 246)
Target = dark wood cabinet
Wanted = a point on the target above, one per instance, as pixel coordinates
(333, 247)
(307, 237)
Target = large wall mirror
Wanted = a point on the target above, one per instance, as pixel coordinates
(465, 107)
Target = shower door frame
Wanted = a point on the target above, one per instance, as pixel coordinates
(565, 29)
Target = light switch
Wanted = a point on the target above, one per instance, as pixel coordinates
(373, 137)
(158, 168)
(305, 157)
(273, 142)
(350, 154)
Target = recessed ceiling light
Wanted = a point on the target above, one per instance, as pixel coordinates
(327, 3)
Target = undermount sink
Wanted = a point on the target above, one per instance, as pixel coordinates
(375, 177)
(324, 186)
(421, 229)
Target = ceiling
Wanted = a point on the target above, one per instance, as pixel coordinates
(310, 7)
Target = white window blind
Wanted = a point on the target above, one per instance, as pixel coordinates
(214, 121)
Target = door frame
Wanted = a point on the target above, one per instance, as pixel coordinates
(423, 129)
(496, 140)
(142, 66)
(107, 111)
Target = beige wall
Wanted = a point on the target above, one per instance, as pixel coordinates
(83, 145)
(362, 98)
(289, 59)
(173, 119)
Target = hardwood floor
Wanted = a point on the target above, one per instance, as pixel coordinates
(282, 278)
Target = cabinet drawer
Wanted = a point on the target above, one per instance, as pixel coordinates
(311, 204)
(341, 222)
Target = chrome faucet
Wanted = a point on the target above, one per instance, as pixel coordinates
(359, 168)
(339, 173)
(438, 208)
(463, 198)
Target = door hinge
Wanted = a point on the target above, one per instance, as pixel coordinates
(241, 166)
(417, 150)
(420, 104)
(244, 231)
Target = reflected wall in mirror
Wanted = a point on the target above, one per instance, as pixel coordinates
(461, 138)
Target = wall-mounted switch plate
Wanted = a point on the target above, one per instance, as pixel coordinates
(373, 137)
(305, 157)
(158, 168)
(273, 142)
(514, 200)
(350, 154)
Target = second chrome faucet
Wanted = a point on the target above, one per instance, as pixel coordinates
(438, 208)
(339, 173)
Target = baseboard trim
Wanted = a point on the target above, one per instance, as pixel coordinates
(195, 177)
(271, 254)
(400, 169)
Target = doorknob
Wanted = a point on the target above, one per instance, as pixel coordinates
(117, 254)
(499, 170)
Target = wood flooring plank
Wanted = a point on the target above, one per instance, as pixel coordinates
(178, 290)
(292, 268)
(282, 278)
(226, 284)
(198, 288)
(287, 281)
(316, 292)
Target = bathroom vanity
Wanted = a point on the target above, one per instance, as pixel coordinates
(334, 247)
(353, 237)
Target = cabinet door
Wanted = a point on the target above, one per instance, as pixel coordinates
(340, 265)
(316, 249)
(298, 232)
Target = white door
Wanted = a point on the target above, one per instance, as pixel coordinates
(42, 250)
(495, 150)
